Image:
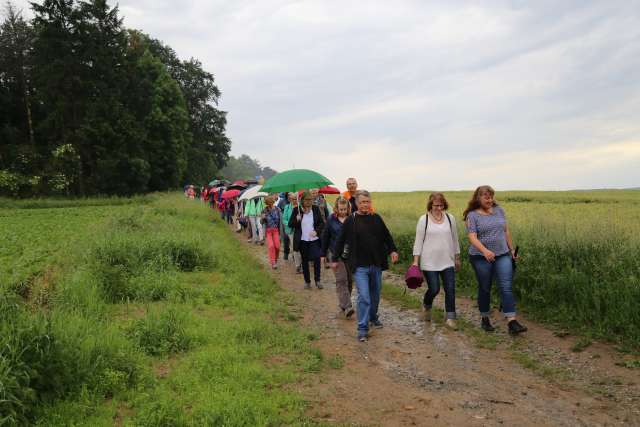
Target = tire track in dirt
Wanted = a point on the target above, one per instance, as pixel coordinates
(412, 373)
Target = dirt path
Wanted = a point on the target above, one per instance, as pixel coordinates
(412, 373)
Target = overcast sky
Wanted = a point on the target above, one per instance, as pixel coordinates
(411, 95)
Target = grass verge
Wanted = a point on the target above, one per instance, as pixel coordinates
(158, 318)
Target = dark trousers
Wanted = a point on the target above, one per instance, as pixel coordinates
(287, 244)
(448, 276)
(310, 251)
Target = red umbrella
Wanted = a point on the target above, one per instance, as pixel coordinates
(327, 189)
(230, 194)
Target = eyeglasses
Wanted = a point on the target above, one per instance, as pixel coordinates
(438, 206)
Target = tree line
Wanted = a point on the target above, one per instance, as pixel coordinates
(244, 167)
(90, 107)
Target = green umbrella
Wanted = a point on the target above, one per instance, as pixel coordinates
(295, 180)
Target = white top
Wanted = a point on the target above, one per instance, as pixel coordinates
(440, 246)
(307, 227)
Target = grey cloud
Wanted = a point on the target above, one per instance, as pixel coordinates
(446, 82)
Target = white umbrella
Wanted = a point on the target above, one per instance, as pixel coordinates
(252, 193)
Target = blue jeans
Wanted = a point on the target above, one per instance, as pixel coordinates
(369, 284)
(502, 270)
(448, 276)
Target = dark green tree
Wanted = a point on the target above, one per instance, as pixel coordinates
(159, 106)
(18, 153)
(87, 107)
(244, 167)
(209, 150)
(78, 58)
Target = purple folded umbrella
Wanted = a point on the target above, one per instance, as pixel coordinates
(413, 277)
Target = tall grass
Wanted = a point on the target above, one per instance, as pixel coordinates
(579, 266)
(140, 287)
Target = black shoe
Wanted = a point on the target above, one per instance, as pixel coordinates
(349, 312)
(486, 325)
(377, 324)
(516, 328)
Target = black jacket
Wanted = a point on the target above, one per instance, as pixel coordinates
(349, 235)
(318, 225)
(332, 231)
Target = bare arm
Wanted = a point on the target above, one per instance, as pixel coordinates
(473, 239)
(509, 240)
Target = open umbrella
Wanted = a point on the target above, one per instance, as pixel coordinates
(252, 193)
(237, 187)
(230, 194)
(327, 189)
(295, 180)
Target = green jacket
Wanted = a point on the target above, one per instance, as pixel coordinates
(249, 208)
(254, 207)
(286, 216)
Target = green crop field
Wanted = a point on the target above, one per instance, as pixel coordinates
(123, 310)
(580, 252)
(141, 312)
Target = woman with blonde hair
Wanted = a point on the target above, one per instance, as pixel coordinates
(492, 254)
(436, 250)
(344, 280)
(307, 224)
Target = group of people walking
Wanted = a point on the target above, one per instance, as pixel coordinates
(354, 241)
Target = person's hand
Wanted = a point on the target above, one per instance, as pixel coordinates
(415, 263)
(489, 256)
(457, 264)
(313, 234)
(514, 256)
(394, 257)
(322, 259)
(299, 217)
(334, 265)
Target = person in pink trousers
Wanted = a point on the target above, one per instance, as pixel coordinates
(271, 217)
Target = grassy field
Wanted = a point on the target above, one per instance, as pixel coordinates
(142, 313)
(580, 267)
(145, 312)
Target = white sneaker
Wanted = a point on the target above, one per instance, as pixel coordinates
(451, 324)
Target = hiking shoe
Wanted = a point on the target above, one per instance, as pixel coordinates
(377, 324)
(349, 312)
(319, 285)
(451, 324)
(307, 285)
(425, 316)
(516, 328)
(362, 337)
(486, 325)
